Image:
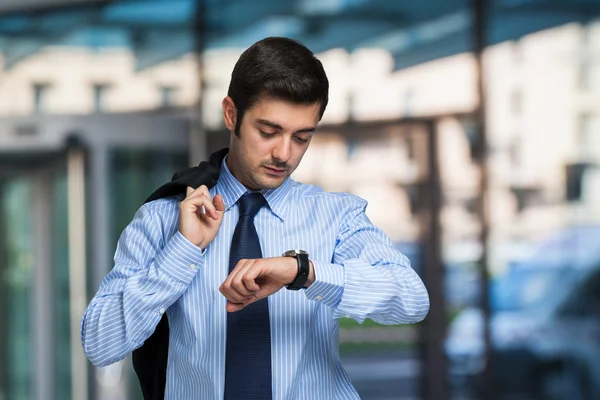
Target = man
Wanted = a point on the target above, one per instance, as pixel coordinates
(249, 318)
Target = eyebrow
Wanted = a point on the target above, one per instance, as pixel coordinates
(279, 127)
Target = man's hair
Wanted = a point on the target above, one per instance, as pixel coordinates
(278, 68)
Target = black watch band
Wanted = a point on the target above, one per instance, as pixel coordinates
(301, 257)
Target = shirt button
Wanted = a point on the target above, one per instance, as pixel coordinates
(161, 311)
(319, 298)
(192, 266)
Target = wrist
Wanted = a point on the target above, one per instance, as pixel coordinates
(291, 270)
(191, 238)
(311, 275)
(302, 269)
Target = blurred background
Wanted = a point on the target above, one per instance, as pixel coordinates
(470, 126)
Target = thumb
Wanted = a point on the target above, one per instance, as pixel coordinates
(233, 307)
(218, 203)
(189, 191)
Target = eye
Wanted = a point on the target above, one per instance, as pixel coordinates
(266, 134)
(300, 139)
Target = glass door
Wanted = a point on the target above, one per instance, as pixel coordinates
(34, 282)
(17, 287)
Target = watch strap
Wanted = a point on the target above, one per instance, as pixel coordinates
(303, 269)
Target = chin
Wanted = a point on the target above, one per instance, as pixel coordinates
(270, 183)
(273, 184)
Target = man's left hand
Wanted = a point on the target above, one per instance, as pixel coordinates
(252, 280)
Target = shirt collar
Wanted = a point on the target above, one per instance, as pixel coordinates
(231, 190)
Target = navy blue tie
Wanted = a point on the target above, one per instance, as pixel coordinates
(248, 354)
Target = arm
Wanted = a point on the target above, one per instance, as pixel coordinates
(368, 278)
(148, 276)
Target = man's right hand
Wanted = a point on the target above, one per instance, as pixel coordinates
(198, 225)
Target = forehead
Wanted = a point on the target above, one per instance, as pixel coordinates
(284, 113)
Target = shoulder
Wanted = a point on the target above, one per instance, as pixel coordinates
(163, 212)
(343, 202)
(163, 205)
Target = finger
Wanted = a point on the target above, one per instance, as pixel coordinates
(203, 201)
(238, 306)
(233, 307)
(198, 192)
(219, 203)
(189, 190)
(232, 295)
(230, 289)
(202, 190)
(238, 280)
(262, 290)
(251, 276)
(236, 277)
(249, 281)
(242, 264)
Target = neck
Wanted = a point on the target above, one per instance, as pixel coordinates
(234, 169)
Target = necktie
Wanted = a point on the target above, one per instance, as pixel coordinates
(248, 353)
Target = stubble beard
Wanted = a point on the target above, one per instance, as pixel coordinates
(262, 181)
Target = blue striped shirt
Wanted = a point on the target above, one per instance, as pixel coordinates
(358, 274)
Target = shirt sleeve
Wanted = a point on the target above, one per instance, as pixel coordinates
(148, 276)
(369, 277)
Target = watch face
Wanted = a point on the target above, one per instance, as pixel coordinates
(293, 253)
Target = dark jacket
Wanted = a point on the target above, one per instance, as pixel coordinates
(150, 360)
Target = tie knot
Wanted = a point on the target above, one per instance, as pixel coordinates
(250, 203)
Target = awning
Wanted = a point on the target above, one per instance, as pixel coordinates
(160, 30)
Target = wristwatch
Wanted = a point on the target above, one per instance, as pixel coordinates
(301, 257)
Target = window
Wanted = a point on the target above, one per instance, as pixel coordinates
(587, 143)
(100, 90)
(40, 92)
(167, 94)
(585, 74)
(517, 52)
(516, 101)
(16, 289)
(408, 102)
(585, 60)
(584, 301)
(525, 287)
(514, 151)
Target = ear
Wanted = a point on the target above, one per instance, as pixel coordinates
(229, 113)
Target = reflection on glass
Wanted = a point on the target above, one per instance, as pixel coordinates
(17, 281)
(60, 288)
(524, 288)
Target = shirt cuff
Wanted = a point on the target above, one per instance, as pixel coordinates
(328, 286)
(180, 259)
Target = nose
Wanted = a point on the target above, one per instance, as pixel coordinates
(283, 149)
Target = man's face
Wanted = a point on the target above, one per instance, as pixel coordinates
(274, 135)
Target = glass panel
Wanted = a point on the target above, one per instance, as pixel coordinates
(60, 288)
(17, 282)
(134, 174)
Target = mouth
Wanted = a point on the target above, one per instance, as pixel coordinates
(275, 171)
